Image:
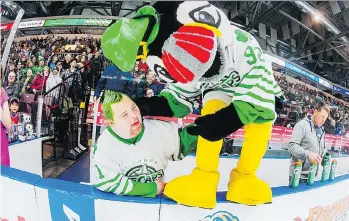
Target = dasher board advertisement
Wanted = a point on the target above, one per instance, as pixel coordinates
(31, 24)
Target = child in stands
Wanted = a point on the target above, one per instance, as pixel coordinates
(14, 106)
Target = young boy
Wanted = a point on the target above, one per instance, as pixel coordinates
(131, 155)
(14, 106)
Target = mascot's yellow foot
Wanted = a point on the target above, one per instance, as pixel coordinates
(248, 189)
(197, 189)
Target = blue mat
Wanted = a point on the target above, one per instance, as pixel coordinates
(79, 171)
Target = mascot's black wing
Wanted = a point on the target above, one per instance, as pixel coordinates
(203, 125)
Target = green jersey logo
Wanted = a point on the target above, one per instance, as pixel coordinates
(144, 173)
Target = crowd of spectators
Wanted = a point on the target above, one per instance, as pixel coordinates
(301, 100)
(38, 64)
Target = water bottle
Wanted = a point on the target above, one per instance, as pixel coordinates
(296, 175)
(326, 167)
(312, 173)
(333, 169)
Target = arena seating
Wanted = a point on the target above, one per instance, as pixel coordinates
(88, 62)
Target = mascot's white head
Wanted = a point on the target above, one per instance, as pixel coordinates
(196, 45)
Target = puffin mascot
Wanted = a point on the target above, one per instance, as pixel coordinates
(193, 47)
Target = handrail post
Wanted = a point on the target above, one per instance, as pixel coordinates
(39, 115)
(95, 114)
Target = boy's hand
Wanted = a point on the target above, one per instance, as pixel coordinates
(160, 186)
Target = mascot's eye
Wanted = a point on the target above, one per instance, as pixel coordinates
(160, 70)
(163, 74)
(206, 15)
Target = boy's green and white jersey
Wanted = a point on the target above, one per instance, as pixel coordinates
(130, 167)
(251, 82)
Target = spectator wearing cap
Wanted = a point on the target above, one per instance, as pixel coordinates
(40, 68)
(14, 106)
(11, 86)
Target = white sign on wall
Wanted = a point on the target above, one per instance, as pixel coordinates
(31, 24)
(18, 202)
(27, 156)
(121, 211)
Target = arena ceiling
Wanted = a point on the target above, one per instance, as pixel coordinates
(316, 39)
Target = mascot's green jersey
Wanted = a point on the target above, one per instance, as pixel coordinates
(251, 81)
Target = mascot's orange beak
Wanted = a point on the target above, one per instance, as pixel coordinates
(198, 40)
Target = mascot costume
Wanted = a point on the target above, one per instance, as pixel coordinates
(194, 48)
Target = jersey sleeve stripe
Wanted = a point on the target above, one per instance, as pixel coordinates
(268, 91)
(259, 77)
(256, 93)
(181, 90)
(252, 100)
(107, 182)
(262, 68)
(121, 185)
(125, 188)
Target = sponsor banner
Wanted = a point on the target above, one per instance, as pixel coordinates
(302, 72)
(341, 90)
(77, 22)
(31, 24)
(325, 83)
(6, 27)
(101, 120)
